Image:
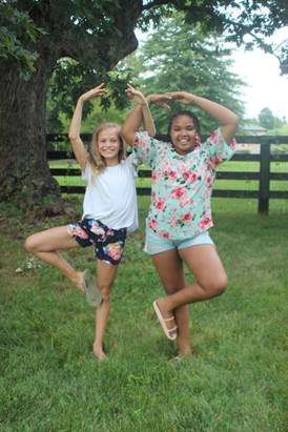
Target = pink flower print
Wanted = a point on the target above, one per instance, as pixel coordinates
(213, 137)
(96, 229)
(160, 203)
(190, 176)
(178, 192)
(209, 181)
(184, 201)
(153, 224)
(173, 221)
(205, 221)
(114, 250)
(79, 232)
(139, 142)
(187, 217)
(164, 234)
(109, 232)
(182, 167)
(216, 160)
(172, 174)
(233, 143)
(155, 176)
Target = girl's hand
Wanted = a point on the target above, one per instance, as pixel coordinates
(162, 100)
(135, 95)
(182, 96)
(95, 92)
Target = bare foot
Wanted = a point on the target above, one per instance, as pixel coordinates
(168, 318)
(99, 352)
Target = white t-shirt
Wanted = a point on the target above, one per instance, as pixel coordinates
(111, 196)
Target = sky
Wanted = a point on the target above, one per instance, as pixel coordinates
(266, 87)
(261, 72)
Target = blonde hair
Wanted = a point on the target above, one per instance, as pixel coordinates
(97, 162)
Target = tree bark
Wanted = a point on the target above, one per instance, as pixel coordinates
(24, 173)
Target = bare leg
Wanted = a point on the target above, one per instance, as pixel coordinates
(210, 275)
(106, 274)
(170, 269)
(46, 245)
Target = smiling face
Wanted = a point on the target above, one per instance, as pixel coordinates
(109, 145)
(183, 134)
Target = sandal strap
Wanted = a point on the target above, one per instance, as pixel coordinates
(173, 329)
(169, 319)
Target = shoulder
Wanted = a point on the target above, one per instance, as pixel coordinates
(215, 137)
(144, 138)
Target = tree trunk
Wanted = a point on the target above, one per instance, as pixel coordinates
(25, 178)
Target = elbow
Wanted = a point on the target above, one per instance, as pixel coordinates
(237, 119)
(233, 123)
(127, 135)
(73, 137)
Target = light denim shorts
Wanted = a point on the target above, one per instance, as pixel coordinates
(155, 244)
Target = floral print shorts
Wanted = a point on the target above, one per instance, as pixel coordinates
(109, 243)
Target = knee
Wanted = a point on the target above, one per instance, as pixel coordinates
(29, 244)
(217, 286)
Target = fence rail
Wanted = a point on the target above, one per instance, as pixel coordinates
(264, 176)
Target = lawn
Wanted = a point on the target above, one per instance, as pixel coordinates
(236, 382)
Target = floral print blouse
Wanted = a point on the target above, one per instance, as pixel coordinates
(181, 184)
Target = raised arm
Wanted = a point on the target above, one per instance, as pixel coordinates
(227, 119)
(141, 113)
(78, 147)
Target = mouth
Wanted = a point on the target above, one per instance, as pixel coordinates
(106, 150)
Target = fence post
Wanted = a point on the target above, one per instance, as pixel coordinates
(264, 178)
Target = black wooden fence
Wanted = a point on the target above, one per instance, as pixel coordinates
(268, 153)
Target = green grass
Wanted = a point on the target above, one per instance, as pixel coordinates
(237, 382)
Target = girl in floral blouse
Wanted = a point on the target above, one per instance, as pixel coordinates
(109, 212)
(183, 172)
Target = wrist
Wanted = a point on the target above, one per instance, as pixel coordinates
(193, 99)
(141, 103)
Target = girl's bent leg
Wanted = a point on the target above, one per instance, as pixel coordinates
(46, 245)
(170, 269)
(211, 279)
(106, 274)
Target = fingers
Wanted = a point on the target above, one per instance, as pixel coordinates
(165, 106)
(163, 100)
(100, 89)
(135, 95)
(131, 91)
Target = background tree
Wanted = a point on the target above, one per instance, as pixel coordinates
(36, 34)
(177, 56)
(266, 118)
